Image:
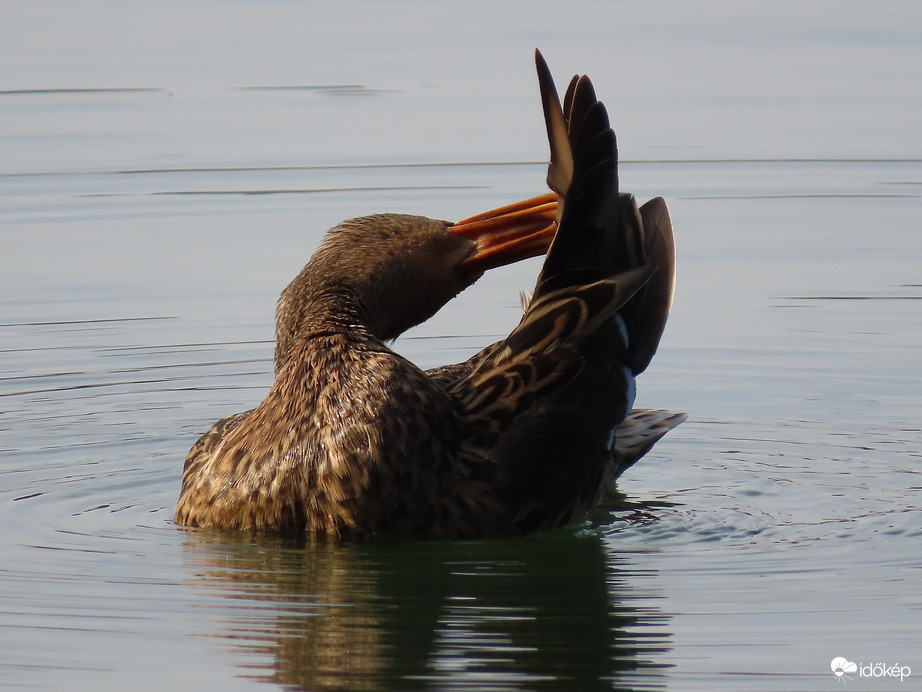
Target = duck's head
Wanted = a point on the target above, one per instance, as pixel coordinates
(388, 272)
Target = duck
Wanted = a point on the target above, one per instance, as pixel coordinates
(528, 434)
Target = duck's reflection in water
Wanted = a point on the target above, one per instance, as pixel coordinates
(550, 611)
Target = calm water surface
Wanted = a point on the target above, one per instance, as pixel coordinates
(166, 171)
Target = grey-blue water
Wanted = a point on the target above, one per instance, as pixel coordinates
(165, 169)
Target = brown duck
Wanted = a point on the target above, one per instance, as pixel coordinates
(354, 439)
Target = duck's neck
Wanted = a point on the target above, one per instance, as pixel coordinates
(299, 316)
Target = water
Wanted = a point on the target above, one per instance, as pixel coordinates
(161, 182)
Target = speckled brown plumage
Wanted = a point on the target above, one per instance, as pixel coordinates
(353, 439)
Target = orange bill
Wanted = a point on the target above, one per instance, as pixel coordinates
(511, 233)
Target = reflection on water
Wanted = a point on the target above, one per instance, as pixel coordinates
(551, 611)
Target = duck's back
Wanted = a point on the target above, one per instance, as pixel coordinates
(352, 439)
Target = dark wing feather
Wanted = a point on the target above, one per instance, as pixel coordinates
(560, 169)
(602, 232)
(539, 357)
(583, 247)
(580, 288)
(552, 398)
(659, 247)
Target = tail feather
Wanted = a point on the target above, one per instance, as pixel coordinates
(637, 434)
